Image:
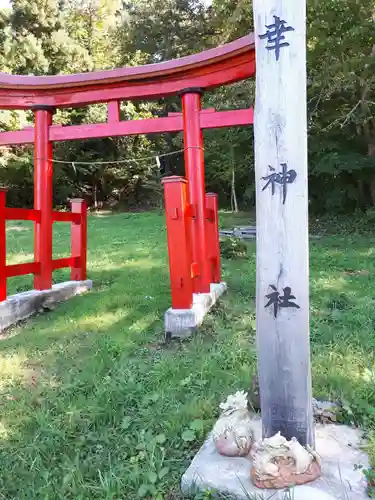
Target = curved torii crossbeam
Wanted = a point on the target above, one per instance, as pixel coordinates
(219, 66)
(209, 69)
(193, 239)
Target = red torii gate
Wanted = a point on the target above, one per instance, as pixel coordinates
(191, 214)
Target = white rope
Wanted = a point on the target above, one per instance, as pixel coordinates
(128, 160)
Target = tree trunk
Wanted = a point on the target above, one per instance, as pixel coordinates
(369, 132)
(361, 194)
(368, 128)
(372, 190)
(233, 194)
(95, 195)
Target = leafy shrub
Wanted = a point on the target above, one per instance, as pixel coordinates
(233, 248)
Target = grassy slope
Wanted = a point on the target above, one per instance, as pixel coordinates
(92, 405)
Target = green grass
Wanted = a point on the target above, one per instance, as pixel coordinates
(93, 405)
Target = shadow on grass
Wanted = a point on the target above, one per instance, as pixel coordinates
(121, 300)
(84, 386)
(88, 387)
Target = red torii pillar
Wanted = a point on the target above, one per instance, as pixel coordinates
(194, 167)
(43, 195)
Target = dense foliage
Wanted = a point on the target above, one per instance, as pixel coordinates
(63, 36)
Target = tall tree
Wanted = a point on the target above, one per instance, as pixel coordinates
(342, 84)
(93, 24)
(165, 29)
(38, 43)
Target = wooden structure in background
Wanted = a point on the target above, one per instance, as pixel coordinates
(44, 264)
(191, 217)
(191, 214)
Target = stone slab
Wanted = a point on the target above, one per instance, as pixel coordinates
(181, 323)
(23, 305)
(342, 477)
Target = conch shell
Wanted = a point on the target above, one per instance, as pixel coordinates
(278, 463)
(233, 433)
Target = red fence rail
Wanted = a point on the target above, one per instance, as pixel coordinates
(78, 259)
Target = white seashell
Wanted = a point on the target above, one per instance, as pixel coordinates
(230, 445)
(300, 455)
(237, 401)
(264, 467)
(276, 441)
(233, 433)
(265, 452)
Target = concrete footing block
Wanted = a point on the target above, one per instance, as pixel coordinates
(22, 305)
(343, 465)
(181, 323)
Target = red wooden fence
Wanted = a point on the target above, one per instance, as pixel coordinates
(213, 241)
(44, 265)
(185, 271)
(193, 239)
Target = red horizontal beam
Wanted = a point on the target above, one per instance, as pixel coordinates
(233, 118)
(207, 76)
(34, 267)
(22, 269)
(122, 128)
(172, 123)
(219, 66)
(25, 136)
(22, 214)
(65, 262)
(165, 68)
(66, 217)
(205, 110)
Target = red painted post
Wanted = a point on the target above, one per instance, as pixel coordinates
(179, 245)
(43, 196)
(113, 111)
(212, 206)
(79, 240)
(194, 165)
(3, 246)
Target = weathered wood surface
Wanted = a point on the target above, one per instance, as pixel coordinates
(282, 223)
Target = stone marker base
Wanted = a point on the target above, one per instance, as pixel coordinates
(22, 305)
(342, 476)
(181, 323)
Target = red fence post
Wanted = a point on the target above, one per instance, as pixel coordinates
(179, 245)
(43, 196)
(79, 240)
(194, 165)
(3, 246)
(213, 241)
